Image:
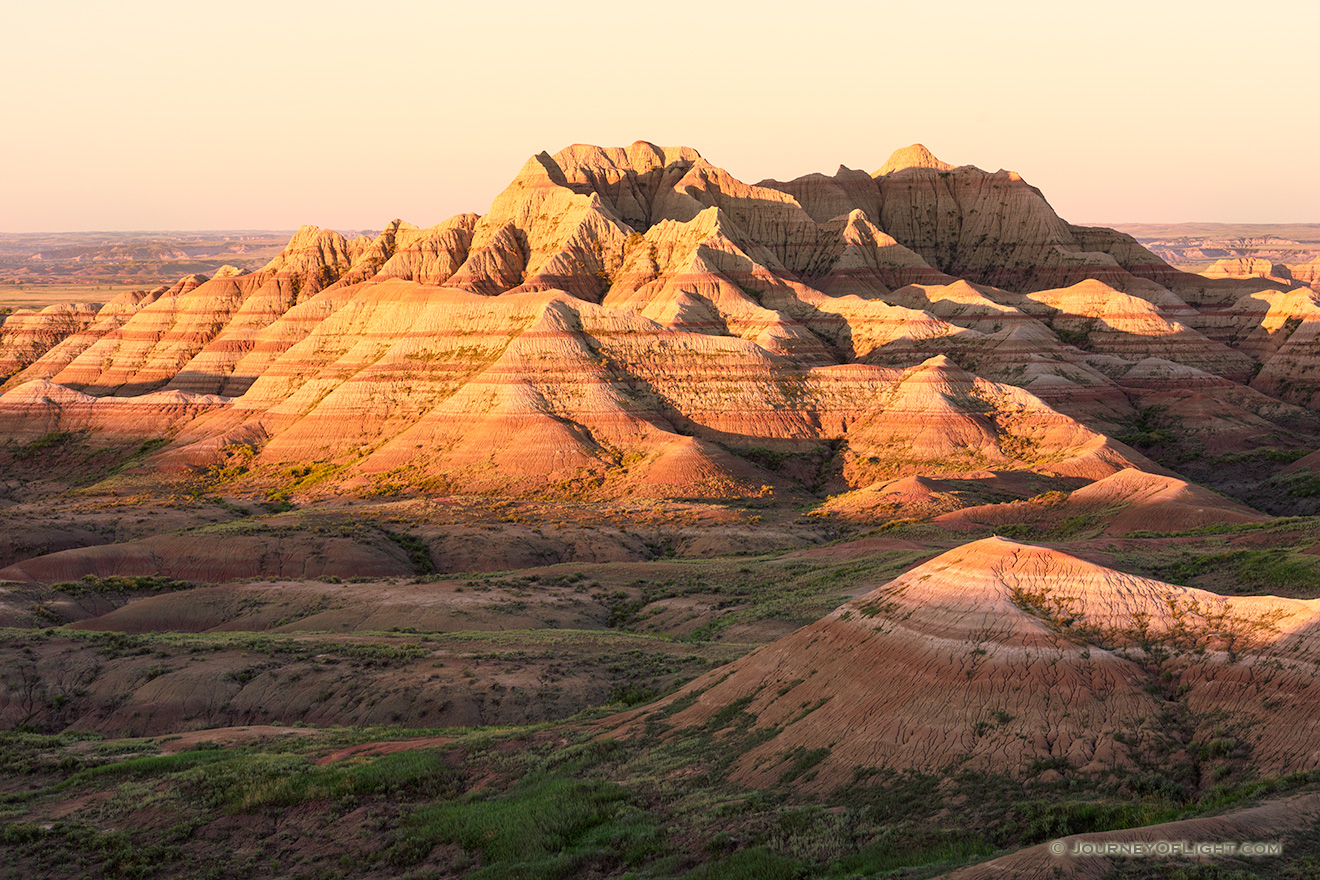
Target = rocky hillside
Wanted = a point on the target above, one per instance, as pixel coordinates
(637, 322)
(654, 523)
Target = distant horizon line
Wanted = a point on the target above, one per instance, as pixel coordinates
(364, 229)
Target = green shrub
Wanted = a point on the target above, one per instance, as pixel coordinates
(545, 826)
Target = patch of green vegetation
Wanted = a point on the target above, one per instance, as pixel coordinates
(1001, 811)
(1275, 570)
(1276, 454)
(754, 863)
(623, 609)
(149, 446)
(56, 440)
(202, 784)
(793, 592)
(1213, 529)
(544, 826)
(633, 695)
(236, 509)
(254, 782)
(770, 459)
(150, 766)
(384, 650)
(1047, 819)
(236, 461)
(418, 553)
(729, 713)
(801, 760)
(302, 522)
(812, 467)
(306, 476)
(1152, 426)
(90, 584)
(1018, 531)
(1302, 484)
(29, 754)
(946, 850)
(248, 527)
(1080, 338)
(1075, 527)
(48, 849)
(277, 501)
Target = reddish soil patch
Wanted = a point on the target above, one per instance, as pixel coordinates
(385, 748)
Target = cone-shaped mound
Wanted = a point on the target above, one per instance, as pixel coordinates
(1161, 503)
(997, 655)
(1130, 500)
(941, 416)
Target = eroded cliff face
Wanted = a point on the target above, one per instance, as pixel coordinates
(636, 321)
(991, 228)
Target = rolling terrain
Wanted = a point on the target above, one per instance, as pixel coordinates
(656, 523)
(86, 262)
(1279, 250)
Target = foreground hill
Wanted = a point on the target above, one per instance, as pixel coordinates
(1004, 658)
(971, 709)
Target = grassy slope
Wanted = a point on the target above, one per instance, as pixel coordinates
(556, 800)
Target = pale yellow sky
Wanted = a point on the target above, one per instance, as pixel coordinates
(267, 115)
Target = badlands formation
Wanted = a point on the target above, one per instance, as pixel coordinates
(637, 322)
(998, 656)
(861, 502)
